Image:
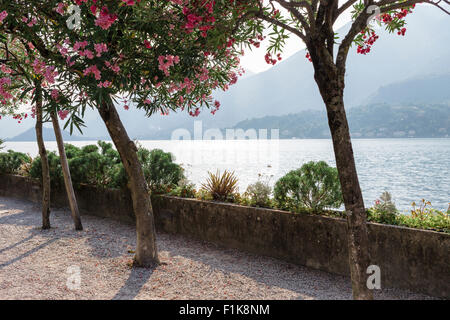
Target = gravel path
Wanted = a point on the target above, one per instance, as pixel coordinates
(36, 264)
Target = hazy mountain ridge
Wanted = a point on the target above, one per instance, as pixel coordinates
(49, 135)
(428, 89)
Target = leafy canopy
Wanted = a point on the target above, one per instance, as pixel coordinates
(160, 55)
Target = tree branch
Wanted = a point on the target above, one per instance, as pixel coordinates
(282, 25)
(344, 7)
(300, 4)
(293, 10)
(388, 5)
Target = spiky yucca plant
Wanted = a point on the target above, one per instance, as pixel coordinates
(221, 186)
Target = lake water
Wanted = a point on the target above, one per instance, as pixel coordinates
(411, 169)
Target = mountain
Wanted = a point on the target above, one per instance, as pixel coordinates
(429, 89)
(289, 87)
(49, 135)
(370, 121)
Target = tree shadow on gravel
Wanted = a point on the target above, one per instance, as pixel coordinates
(137, 279)
(26, 254)
(19, 218)
(307, 283)
(103, 243)
(17, 243)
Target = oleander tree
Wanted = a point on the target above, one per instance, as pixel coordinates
(18, 87)
(27, 80)
(313, 23)
(162, 56)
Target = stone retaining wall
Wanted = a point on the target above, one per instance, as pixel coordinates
(412, 259)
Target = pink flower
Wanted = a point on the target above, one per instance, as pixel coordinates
(93, 9)
(3, 15)
(115, 68)
(100, 48)
(147, 44)
(165, 62)
(129, 2)
(50, 74)
(105, 84)
(105, 19)
(60, 8)
(5, 69)
(80, 45)
(195, 113)
(87, 53)
(32, 22)
(216, 106)
(55, 94)
(63, 114)
(94, 70)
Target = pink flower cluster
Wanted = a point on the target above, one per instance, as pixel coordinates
(94, 70)
(100, 48)
(31, 22)
(3, 15)
(105, 84)
(130, 2)
(60, 8)
(48, 72)
(55, 95)
(105, 19)
(4, 94)
(165, 62)
(63, 114)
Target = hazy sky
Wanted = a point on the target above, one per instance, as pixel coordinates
(254, 60)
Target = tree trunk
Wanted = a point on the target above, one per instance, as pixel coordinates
(66, 173)
(44, 160)
(146, 251)
(358, 242)
(332, 91)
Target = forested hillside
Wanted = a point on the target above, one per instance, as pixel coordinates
(371, 121)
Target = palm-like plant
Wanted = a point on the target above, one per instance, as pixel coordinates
(221, 186)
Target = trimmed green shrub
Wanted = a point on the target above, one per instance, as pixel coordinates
(259, 194)
(314, 186)
(11, 161)
(161, 172)
(95, 166)
(56, 175)
(101, 166)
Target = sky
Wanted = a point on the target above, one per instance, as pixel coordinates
(253, 60)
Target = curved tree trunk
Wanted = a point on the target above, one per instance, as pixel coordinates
(44, 160)
(331, 86)
(66, 173)
(146, 251)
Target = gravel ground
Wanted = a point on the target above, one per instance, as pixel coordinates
(37, 264)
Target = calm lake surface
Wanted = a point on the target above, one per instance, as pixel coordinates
(411, 169)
